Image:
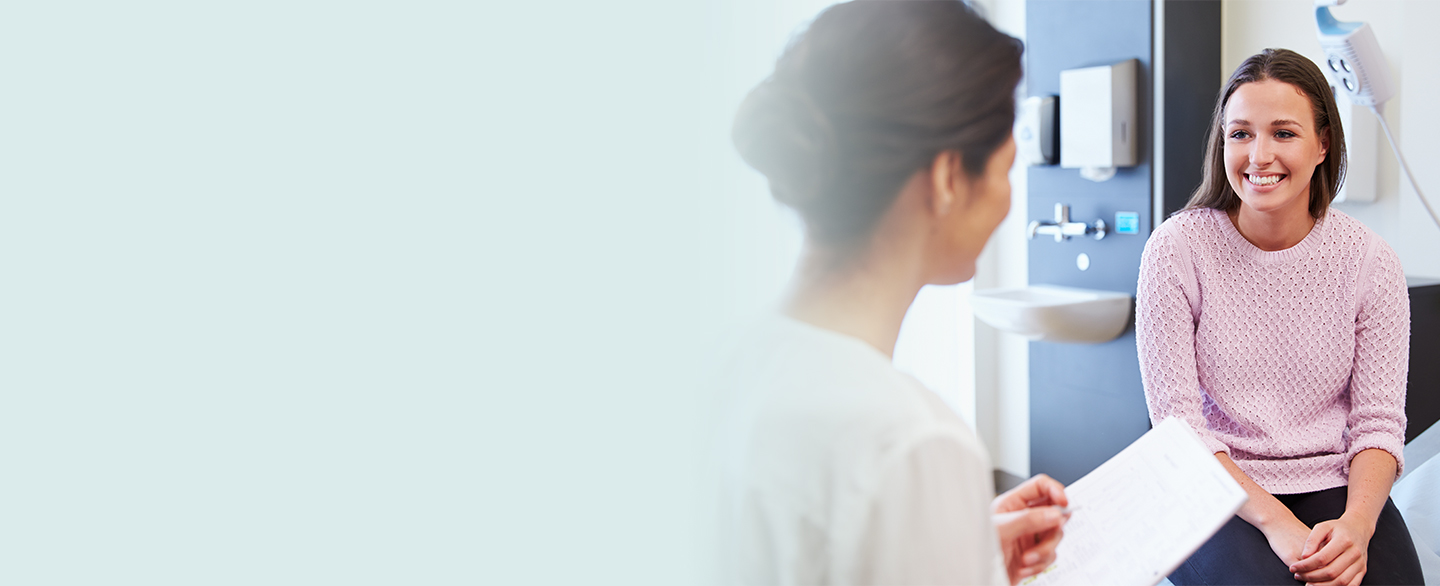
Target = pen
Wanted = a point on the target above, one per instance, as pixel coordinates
(1070, 509)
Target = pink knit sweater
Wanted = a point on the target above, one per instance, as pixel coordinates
(1290, 361)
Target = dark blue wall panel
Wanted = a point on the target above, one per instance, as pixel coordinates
(1086, 401)
(1192, 82)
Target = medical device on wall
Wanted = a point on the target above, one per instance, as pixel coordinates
(1353, 58)
(1354, 62)
(1036, 135)
(1098, 119)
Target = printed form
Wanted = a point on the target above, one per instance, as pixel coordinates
(1142, 513)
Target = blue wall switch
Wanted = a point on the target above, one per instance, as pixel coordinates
(1127, 223)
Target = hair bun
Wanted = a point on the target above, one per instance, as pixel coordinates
(784, 135)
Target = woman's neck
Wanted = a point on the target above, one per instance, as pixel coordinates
(866, 298)
(1275, 230)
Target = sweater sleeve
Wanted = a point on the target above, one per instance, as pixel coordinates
(1382, 357)
(1165, 317)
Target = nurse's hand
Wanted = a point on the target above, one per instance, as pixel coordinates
(1335, 553)
(1029, 521)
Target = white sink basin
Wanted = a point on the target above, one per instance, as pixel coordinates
(1052, 313)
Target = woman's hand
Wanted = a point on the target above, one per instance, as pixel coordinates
(1287, 540)
(1335, 553)
(1029, 521)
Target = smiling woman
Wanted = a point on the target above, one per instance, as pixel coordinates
(1277, 102)
(1272, 149)
(1291, 365)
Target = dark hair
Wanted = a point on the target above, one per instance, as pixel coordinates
(1295, 69)
(868, 95)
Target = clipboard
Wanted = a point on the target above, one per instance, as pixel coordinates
(1143, 512)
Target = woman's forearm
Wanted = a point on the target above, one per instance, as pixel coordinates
(1262, 510)
(1372, 472)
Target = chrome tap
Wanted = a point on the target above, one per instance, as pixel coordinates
(1062, 228)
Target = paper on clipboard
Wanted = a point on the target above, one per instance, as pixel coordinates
(1143, 512)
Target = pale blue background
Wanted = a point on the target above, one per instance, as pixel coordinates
(317, 292)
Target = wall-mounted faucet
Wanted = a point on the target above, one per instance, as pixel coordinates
(1062, 228)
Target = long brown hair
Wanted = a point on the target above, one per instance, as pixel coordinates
(1295, 69)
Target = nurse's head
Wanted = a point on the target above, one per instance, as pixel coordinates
(1275, 139)
(888, 119)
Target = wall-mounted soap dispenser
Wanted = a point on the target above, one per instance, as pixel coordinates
(1098, 119)
(1036, 135)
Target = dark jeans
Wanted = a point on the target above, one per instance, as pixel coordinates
(1240, 554)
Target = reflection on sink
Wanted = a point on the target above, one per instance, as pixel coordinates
(1051, 313)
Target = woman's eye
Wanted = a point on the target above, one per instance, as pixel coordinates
(1239, 135)
(1284, 134)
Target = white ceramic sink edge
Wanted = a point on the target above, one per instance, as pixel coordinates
(1053, 313)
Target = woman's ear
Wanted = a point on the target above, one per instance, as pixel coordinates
(947, 183)
(1324, 144)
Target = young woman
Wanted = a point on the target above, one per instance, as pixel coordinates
(1278, 327)
(887, 127)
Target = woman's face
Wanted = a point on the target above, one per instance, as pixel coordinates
(1271, 147)
(986, 204)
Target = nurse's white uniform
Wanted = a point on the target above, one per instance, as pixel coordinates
(839, 469)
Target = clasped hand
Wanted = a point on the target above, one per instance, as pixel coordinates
(1334, 553)
(1029, 522)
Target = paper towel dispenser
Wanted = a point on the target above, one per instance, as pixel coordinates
(1098, 119)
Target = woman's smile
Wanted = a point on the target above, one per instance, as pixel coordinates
(1263, 181)
(1271, 147)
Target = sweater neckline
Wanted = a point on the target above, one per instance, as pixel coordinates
(1302, 249)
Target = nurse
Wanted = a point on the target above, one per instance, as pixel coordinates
(1278, 327)
(887, 127)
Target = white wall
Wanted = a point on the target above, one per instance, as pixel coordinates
(1002, 360)
(936, 346)
(1405, 31)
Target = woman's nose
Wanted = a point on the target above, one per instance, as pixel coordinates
(1261, 152)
